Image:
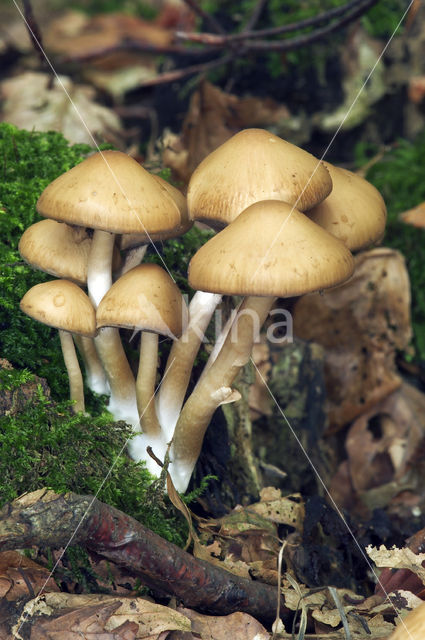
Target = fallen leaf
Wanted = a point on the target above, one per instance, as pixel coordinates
(32, 101)
(236, 625)
(288, 510)
(213, 117)
(384, 455)
(99, 617)
(398, 559)
(415, 216)
(361, 324)
(22, 577)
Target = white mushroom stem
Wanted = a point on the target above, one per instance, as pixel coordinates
(76, 385)
(122, 403)
(214, 388)
(146, 383)
(95, 374)
(181, 358)
(99, 268)
(133, 258)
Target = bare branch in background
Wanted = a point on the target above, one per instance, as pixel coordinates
(33, 30)
(255, 16)
(215, 26)
(179, 74)
(237, 44)
(349, 12)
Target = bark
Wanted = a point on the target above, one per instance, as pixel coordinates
(43, 518)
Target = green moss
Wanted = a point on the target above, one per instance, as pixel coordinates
(28, 162)
(399, 176)
(13, 378)
(52, 447)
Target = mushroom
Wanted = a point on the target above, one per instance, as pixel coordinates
(63, 251)
(412, 626)
(284, 255)
(145, 298)
(251, 166)
(354, 211)
(110, 193)
(136, 243)
(58, 249)
(63, 305)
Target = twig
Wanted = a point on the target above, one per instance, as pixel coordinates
(135, 45)
(179, 74)
(255, 16)
(309, 38)
(352, 8)
(33, 30)
(46, 519)
(215, 26)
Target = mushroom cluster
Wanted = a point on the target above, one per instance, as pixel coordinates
(281, 232)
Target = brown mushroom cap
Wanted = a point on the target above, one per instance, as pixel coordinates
(57, 248)
(270, 249)
(254, 165)
(354, 211)
(412, 627)
(61, 304)
(112, 192)
(130, 240)
(144, 298)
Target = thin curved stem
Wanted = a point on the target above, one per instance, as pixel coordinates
(76, 385)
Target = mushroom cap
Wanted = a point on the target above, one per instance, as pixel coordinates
(354, 211)
(144, 298)
(57, 248)
(61, 304)
(251, 166)
(412, 627)
(110, 191)
(270, 249)
(129, 240)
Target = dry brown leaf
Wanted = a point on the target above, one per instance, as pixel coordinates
(68, 616)
(76, 34)
(288, 510)
(22, 577)
(415, 216)
(361, 324)
(261, 571)
(416, 89)
(398, 559)
(384, 449)
(213, 117)
(30, 101)
(240, 626)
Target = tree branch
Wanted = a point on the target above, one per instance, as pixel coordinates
(179, 74)
(215, 26)
(255, 16)
(349, 12)
(46, 519)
